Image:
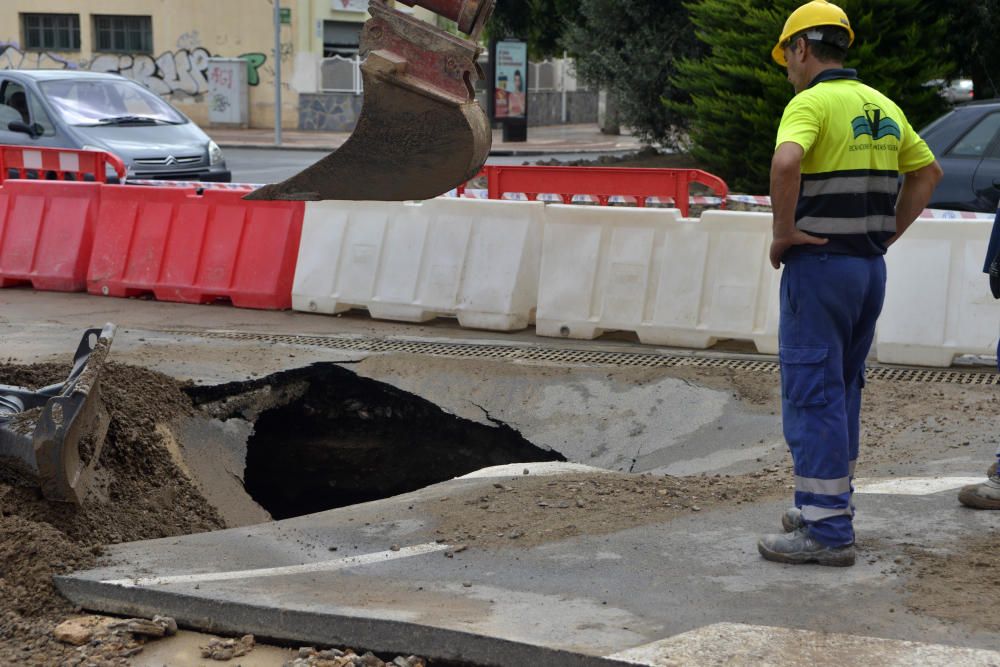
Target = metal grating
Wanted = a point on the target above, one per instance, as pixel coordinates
(581, 357)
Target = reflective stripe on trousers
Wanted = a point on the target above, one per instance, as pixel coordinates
(829, 306)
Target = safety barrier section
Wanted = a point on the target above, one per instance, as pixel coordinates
(938, 303)
(61, 164)
(672, 280)
(413, 261)
(602, 183)
(200, 185)
(47, 230)
(182, 245)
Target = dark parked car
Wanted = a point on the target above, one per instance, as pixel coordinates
(70, 109)
(966, 141)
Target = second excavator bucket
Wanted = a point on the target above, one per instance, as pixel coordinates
(53, 436)
(421, 131)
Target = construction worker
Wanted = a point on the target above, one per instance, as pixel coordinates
(837, 204)
(986, 495)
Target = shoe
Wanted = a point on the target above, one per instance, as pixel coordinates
(798, 547)
(985, 496)
(791, 520)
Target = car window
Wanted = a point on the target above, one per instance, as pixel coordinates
(977, 140)
(39, 116)
(13, 104)
(93, 102)
(27, 105)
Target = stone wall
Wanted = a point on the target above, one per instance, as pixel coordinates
(338, 112)
(329, 112)
(545, 108)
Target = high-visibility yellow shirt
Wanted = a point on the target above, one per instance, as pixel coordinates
(856, 143)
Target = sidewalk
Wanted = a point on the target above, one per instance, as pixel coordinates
(583, 138)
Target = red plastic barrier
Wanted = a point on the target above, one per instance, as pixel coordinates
(47, 230)
(600, 182)
(184, 246)
(65, 164)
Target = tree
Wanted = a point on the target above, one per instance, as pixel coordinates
(738, 93)
(541, 23)
(630, 47)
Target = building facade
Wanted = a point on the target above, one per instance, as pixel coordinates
(168, 46)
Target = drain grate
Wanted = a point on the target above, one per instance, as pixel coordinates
(580, 357)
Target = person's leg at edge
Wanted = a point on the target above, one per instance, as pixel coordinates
(986, 495)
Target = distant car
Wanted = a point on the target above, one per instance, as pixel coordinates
(90, 110)
(966, 141)
(955, 91)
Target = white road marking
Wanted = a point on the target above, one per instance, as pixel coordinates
(323, 566)
(739, 645)
(913, 486)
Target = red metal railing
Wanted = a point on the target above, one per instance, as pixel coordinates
(602, 183)
(64, 164)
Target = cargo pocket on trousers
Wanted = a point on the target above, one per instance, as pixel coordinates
(803, 375)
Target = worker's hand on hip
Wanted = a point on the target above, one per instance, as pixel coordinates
(781, 244)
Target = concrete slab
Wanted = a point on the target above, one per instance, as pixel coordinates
(739, 645)
(389, 586)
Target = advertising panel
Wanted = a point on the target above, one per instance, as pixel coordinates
(511, 92)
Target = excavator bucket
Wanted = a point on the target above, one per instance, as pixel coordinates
(54, 435)
(420, 132)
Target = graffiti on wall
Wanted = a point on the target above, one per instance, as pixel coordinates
(254, 62)
(12, 57)
(180, 72)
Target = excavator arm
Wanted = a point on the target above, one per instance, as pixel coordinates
(420, 132)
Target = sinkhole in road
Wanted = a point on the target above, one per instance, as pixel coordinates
(324, 437)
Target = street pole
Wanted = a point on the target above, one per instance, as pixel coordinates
(277, 72)
(562, 84)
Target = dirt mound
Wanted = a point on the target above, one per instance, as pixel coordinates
(140, 494)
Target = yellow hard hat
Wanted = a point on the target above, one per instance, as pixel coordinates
(811, 15)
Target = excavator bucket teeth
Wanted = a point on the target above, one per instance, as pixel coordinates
(420, 132)
(58, 437)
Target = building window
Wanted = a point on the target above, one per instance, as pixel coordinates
(123, 34)
(51, 32)
(341, 38)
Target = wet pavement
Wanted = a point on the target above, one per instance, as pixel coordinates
(391, 587)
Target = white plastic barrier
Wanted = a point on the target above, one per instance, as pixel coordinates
(938, 303)
(413, 261)
(673, 281)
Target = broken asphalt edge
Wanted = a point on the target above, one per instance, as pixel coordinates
(300, 628)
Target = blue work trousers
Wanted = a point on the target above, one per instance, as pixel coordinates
(829, 306)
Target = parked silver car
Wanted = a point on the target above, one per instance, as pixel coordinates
(955, 91)
(90, 110)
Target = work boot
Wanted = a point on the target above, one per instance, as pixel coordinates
(791, 520)
(985, 496)
(797, 547)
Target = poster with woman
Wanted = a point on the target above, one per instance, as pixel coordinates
(511, 79)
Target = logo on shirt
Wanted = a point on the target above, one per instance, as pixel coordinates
(876, 124)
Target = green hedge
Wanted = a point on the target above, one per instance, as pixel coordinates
(738, 93)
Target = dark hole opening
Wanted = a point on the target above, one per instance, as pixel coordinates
(334, 439)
